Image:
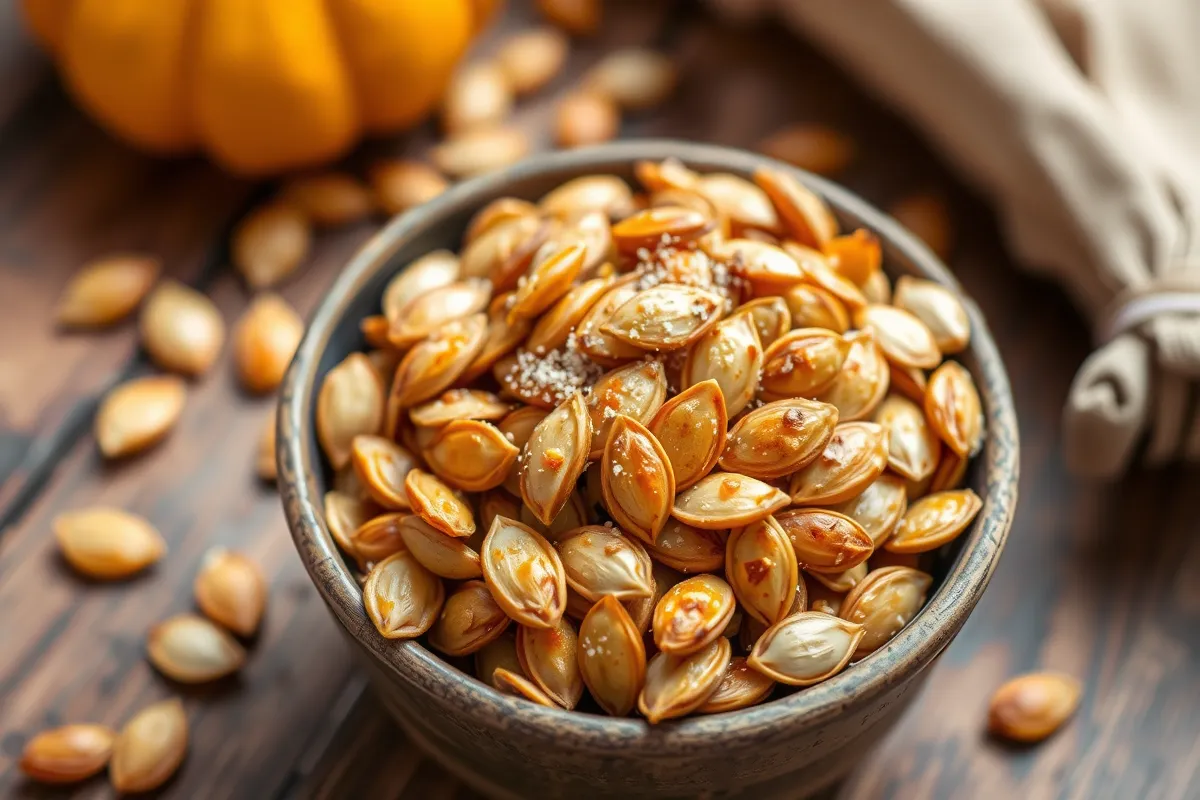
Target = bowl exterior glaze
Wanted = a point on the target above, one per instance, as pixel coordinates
(511, 748)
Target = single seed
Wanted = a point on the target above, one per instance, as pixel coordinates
(181, 329)
(329, 199)
(1030, 707)
(138, 414)
(269, 244)
(67, 754)
(264, 341)
(149, 748)
(634, 78)
(532, 58)
(107, 543)
(584, 118)
(230, 589)
(191, 649)
(478, 96)
(399, 184)
(106, 290)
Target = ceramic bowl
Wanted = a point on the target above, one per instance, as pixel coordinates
(509, 747)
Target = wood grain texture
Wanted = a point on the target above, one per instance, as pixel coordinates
(1098, 582)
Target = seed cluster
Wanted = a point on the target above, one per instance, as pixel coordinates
(675, 447)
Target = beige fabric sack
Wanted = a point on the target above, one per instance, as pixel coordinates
(1080, 120)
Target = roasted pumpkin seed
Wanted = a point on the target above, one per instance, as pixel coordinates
(878, 508)
(676, 685)
(856, 455)
(913, 446)
(350, 404)
(935, 520)
(67, 754)
(741, 687)
(517, 427)
(471, 455)
(692, 613)
(138, 413)
(804, 363)
(503, 251)
(779, 438)
(230, 589)
(637, 481)
(825, 541)
(460, 404)
(647, 228)
(149, 748)
(432, 271)
(636, 390)
(743, 203)
(803, 213)
(550, 277)
(904, 339)
(500, 653)
(190, 649)
(435, 363)
(769, 269)
(813, 307)
(430, 310)
(1030, 707)
(381, 466)
(181, 329)
(810, 146)
(554, 327)
(554, 458)
(531, 58)
(400, 184)
(269, 244)
(478, 151)
(937, 307)
(477, 96)
(599, 561)
(599, 345)
(805, 648)
(863, 381)
(525, 574)
(771, 318)
(107, 543)
(689, 549)
(345, 514)
(550, 657)
(611, 657)
(635, 78)
(445, 556)
(606, 193)
(883, 603)
(469, 621)
(438, 504)
(669, 316)
(726, 500)
(691, 430)
(730, 354)
(106, 290)
(760, 565)
(585, 118)
(402, 598)
(954, 410)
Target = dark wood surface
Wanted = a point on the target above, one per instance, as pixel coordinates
(1102, 582)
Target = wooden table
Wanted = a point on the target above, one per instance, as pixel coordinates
(1100, 582)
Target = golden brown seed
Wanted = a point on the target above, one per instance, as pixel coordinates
(665, 317)
(345, 514)
(471, 455)
(689, 549)
(937, 307)
(479, 151)
(382, 465)
(329, 199)
(478, 96)
(691, 430)
(512, 683)
(804, 362)
(935, 520)
(804, 214)
(770, 269)
(913, 446)
(883, 603)
(811, 146)
(445, 556)
(825, 541)
(953, 408)
(438, 504)
(517, 427)
(863, 381)
(264, 459)
(779, 438)
(532, 58)
(550, 657)
(503, 335)
(813, 307)
(745, 205)
(549, 278)
(402, 598)
(732, 355)
(502, 252)
(264, 341)
(149, 748)
(554, 458)
(585, 117)
(1030, 707)
(841, 582)
(270, 243)
(878, 509)
(635, 78)
(138, 414)
(611, 656)
(350, 404)
(432, 309)
(636, 390)
(760, 565)
(606, 193)
(435, 363)
(949, 473)
(770, 316)
(692, 613)
(399, 184)
(553, 328)
(905, 340)
(909, 382)
(460, 404)
(646, 228)
(596, 343)
(107, 543)
(525, 574)
(181, 329)
(190, 649)
(637, 481)
(740, 687)
(493, 215)
(677, 685)
(727, 500)
(67, 754)
(599, 560)
(926, 215)
(855, 456)
(856, 256)
(375, 330)
(501, 653)
(470, 621)
(106, 290)
(230, 589)
(805, 648)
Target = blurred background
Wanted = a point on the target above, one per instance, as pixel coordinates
(1099, 582)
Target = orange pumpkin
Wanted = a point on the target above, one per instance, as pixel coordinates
(262, 85)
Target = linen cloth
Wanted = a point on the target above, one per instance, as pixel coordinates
(1080, 120)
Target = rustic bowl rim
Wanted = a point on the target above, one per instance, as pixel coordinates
(909, 652)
